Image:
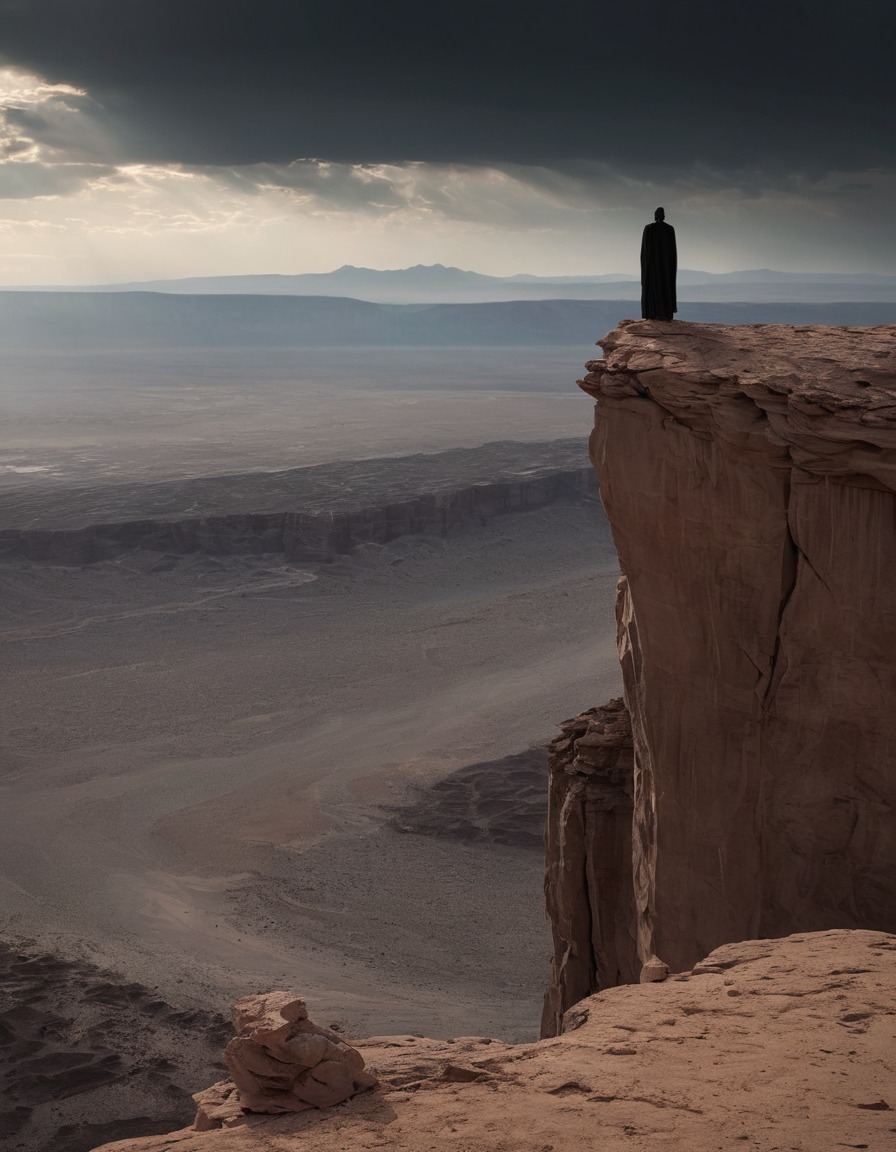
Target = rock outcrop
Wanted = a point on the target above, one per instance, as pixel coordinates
(280, 1061)
(766, 1045)
(749, 476)
(588, 852)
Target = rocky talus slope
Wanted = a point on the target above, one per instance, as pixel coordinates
(783, 1044)
(749, 476)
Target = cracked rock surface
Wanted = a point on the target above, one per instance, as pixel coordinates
(749, 476)
(768, 1044)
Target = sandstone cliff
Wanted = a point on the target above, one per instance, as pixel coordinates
(749, 476)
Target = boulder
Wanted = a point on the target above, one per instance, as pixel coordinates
(280, 1061)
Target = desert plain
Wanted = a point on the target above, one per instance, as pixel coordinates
(228, 773)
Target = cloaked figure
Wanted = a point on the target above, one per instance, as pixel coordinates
(659, 265)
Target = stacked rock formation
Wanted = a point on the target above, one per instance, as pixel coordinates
(749, 476)
(588, 877)
(280, 1061)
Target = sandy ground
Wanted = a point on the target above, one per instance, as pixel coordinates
(106, 416)
(231, 774)
(196, 761)
(222, 775)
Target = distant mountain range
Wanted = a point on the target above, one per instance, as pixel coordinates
(437, 284)
(36, 320)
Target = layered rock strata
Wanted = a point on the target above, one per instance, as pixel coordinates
(280, 1061)
(749, 476)
(766, 1045)
(309, 536)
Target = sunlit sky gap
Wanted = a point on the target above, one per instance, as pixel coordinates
(136, 143)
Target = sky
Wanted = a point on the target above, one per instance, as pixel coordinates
(163, 138)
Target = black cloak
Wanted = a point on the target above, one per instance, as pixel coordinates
(659, 265)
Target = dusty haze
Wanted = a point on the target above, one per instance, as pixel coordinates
(224, 773)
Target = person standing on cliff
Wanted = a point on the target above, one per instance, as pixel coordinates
(659, 266)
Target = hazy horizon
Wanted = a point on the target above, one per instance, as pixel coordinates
(519, 276)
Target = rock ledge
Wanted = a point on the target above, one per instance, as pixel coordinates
(768, 1044)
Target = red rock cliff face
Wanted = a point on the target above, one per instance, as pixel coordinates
(749, 475)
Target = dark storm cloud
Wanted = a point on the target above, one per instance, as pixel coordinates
(780, 85)
(342, 187)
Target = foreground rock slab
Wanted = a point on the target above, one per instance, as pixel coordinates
(766, 1045)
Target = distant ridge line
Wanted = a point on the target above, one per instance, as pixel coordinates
(436, 283)
(316, 536)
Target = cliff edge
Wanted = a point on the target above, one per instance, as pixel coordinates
(768, 1044)
(749, 476)
(743, 790)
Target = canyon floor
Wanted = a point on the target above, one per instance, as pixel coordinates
(236, 774)
(91, 416)
(223, 774)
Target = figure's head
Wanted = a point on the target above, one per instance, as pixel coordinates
(660, 214)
